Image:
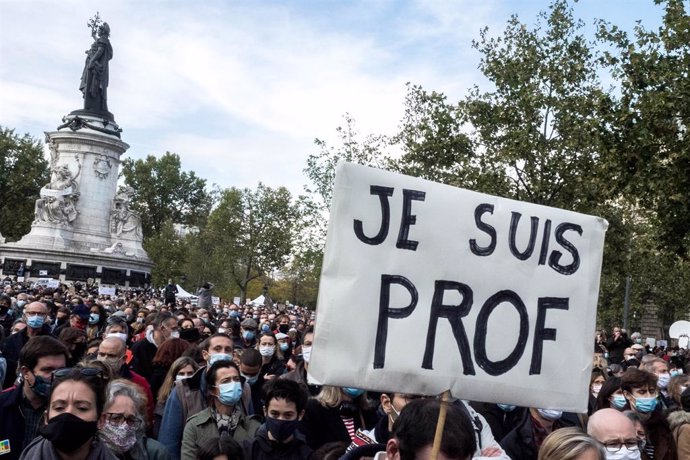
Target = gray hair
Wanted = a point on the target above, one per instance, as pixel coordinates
(123, 387)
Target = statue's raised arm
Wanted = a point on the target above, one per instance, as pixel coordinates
(94, 78)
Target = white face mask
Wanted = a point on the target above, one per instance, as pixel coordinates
(306, 354)
(624, 454)
(120, 335)
(181, 377)
(175, 335)
(596, 388)
(267, 351)
(550, 414)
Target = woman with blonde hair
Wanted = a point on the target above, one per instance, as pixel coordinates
(336, 414)
(571, 444)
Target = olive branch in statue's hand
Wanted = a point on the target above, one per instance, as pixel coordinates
(94, 23)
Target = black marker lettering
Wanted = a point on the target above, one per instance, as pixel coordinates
(408, 219)
(383, 193)
(491, 231)
(540, 332)
(385, 312)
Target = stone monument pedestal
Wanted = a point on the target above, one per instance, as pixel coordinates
(83, 227)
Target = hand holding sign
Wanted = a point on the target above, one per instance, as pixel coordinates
(427, 287)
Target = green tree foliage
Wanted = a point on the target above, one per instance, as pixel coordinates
(164, 192)
(653, 114)
(248, 236)
(168, 251)
(23, 171)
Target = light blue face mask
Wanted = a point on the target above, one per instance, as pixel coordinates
(229, 393)
(618, 402)
(507, 407)
(645, 405)
(250, 380)
(353, 392)
(218, 357)
(35, 322)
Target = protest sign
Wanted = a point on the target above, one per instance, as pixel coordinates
(106, 290)
(427, 287)
(215, 300)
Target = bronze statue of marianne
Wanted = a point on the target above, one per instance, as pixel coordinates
(94, 78)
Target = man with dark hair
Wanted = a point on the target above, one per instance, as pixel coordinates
(164, 326)
(21, 407)
(413, 433)
(279, 437)
(250, 368)
(35, 315)
(189, 396)
(299, 374)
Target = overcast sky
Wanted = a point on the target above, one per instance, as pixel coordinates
(241, 89)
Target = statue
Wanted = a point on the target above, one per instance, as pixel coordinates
(122, 218)
(58, 201)
(94, 78)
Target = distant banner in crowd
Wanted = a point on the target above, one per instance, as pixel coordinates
(427, 287)
(104, 289)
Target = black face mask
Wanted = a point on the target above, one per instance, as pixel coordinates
(68, 432)
(190, 335)
(284, 328)
(281, 429)
(348, 409)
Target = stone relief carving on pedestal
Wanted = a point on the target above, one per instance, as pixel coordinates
(102, 167)
(122, 218)
(59, 198)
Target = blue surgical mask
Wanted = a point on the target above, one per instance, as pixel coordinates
(507, 407)
(229, 393)
(266, 328)
(353, 392)
(35, 322)
(550, 414)
(234, 314)
(248, 335)
(21, 303)
(645, 405)
(218, 357)
(94, 318)
(676, 372)
(618, 402)
(284, 346)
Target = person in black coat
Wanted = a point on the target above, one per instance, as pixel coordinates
(279, 437)
(335, 415)
(523, 441)
(34, 315)
(502, 418)
(22, 406)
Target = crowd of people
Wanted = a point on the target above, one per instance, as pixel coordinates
(145, 375)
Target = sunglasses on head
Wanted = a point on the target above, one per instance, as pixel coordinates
(68, 371)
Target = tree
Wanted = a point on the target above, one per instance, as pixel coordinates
(653, 115)
(248, 236)
(23, 171)
(164, 192)
(168, 251)
(542, 123)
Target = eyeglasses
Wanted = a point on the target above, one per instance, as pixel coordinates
(615, 446)
(119, 419)
(67, 371)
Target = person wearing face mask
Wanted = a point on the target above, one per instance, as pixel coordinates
(248, 329)
(72, 419)
(616, 433)
(111, 352)
(224, 414)
(659, 367)
(166, 354)
(501, 418)
(164, 326)
(182, 368)
(22, 406)
(279, 436)
(190, 396)
(96, 321)
(122, 427)
(272, 360)
(391, 405)
(299, 374)
(641, 392)
(596, 381)
(285, 346)
(523, 441)
(35, 315)
(335, 415)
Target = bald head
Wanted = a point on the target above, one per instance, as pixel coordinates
(111, 347)
(609, 425)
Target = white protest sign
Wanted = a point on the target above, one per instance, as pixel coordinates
(215, 300)
(427, 287)
(104, 289)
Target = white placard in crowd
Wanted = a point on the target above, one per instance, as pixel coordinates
(236, 300)
(427, 287)
(104, 289)
(215, 300)
(43, 273)
(651, 342)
